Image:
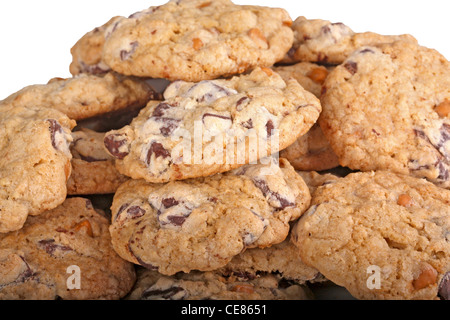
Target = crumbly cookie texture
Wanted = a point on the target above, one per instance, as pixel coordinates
(85, 95)
(380, 235)
(87, 52)
(317, 40)
(34, 162)
(384, 109)
(213, 126)
(201, 224)
(282, 259)
(37, 262)
(152, 285)
(93, 169)
(197, 40)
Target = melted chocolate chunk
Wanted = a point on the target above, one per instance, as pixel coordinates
(269, 128)
(351, 67)
(158, 150)
(177, 220)
(126, 54)
(444, 287)
(170, 125)
(216, 116)
(55, 128)
(50, 246)
(114, 144)
(248, 124)
(264, 187)
(160, 109)
(170, 202)
(166, 294)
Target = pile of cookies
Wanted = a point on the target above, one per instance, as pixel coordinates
(208, 150)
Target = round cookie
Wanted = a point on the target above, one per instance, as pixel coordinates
(87, 52)
(322, 41)
(197, 40)
(34, 162)
(380, 235)
(314, 179)
(152, 285)
(385, 109)
(43, 260)
(213, 126)
(93, 169)
(85, 95)
(201, 224)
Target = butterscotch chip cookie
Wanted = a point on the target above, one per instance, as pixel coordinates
(87, 52)
(380, 235)
(213, 126)
(63, 253)
(201, 224)
(382, 111)
(93, 169)
(197, 40)
(322, 41)
(152, 285)
(85, 96)
(34, 162)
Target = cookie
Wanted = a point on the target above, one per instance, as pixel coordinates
(152, 285)
(85, 95)
(380, 235)
(213, 126)
(281, 259)
(64, 253)
(197, 40)
(34, 162)
(322, 41)
(314, 179)
(93, 169)
(385, 108)
(87, 51)
(201, 224)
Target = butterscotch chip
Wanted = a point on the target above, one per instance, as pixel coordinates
(443, 109)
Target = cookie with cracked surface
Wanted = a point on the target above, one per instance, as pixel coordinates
(385, 108)
(85, 95)
(197, 40)
(93, 169)
(152, 285)
(379, 224)
(34, 162)
(201, 224)
(35, 260)
(87, 51)
(317, 40)
(213, 126)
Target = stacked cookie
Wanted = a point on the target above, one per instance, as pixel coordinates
(208, 150)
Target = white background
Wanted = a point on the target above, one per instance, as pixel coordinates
(36, 36)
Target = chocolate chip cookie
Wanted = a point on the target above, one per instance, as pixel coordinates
(197, 40)
(201, 224)
(34, 162)
(93, 169)
(386, 108)
(63, 253)
(317, 40)
(152, 285)
(85, 95)
(213, 126)
(380, 235)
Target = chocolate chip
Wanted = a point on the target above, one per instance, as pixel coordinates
(95, 69)
(126, 54)
(269, 128)
(160, 108)
(216, 116)
(170, 202)
(158, 150)
(177, 220)
(115, 144)
(50, 246)
(55, 128)
(170, 125)
(325, 29)
(351, 67)
(241, 102)
(367, 50)
(248, 124)
(264, 187)
(322, 57)
(140, 261)
(135, 212)
(166, 294)
(90, 159)
(444, 287)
